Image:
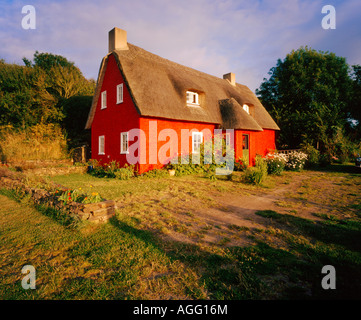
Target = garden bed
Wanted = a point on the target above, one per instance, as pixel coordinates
(59, 198)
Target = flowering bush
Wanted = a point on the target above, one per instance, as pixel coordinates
(240, 164)
(276, 162)
(77, 196)
(111, 170)
(296, 160)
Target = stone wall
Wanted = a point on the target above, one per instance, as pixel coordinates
(94, 212)
(47, 167)
(53, 171)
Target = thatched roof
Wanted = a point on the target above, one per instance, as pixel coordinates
(158, 87)
(234, 117)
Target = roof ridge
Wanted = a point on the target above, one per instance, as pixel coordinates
(155, 57)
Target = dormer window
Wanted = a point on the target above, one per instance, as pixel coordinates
(192, 98)
(246, 108)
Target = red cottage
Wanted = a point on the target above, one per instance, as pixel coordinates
(147, 110)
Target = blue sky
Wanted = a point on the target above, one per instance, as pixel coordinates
(214, 36)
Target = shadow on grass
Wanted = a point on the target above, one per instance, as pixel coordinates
(57, 216)
(346, 233)
(336, 242)
(239, 273)
(338, 168)
(223, 278)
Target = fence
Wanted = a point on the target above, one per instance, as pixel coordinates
(80, 154)
(288, 151)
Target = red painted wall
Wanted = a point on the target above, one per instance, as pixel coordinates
(113, 120)
(158, 152)
(260, 142)
(123, 117)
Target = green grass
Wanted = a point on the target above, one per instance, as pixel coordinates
(135, 257)
(112, 261)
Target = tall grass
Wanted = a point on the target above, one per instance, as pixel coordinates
(39, 142)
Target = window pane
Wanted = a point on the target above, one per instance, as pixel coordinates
(192, 97)
(119, 93)
(104, 100)
(246, 108)
(124, 142)
(245, 141)
(197, 138)
(101, 145)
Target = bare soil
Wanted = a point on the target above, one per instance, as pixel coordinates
(233, 219)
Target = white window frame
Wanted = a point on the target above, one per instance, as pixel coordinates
(103, 100)
(227, 139)
(101, 145)
(192, 98)
(195, 148)
(246, 108)
(120, 93)
(122, 135)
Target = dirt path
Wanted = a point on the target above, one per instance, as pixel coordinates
(234, 215)
(240, 209)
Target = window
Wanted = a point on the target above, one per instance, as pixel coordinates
(104, 100)
(192, 98)
(197, 139)
(120, 93)
(246, 108)
(245, 141)
(124, 142)
(101, 146)
(227, 139)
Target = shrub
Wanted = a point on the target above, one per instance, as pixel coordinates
(209, 161)
(325, 159)
(240, 164)
(258, 173)
(296, 160)
(156, 173)
(313, 156)
(124, 173)
(276, 163)
(77, 196)
(111, 170)
(39, 142)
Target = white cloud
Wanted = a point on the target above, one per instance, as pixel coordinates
(217, 37)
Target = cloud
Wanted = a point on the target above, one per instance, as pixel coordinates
(216, 37)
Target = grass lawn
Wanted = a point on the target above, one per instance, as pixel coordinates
(192, 238)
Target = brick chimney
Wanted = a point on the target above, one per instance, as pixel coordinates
(231, 77)
(117, 40)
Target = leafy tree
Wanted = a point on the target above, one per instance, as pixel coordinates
(63, 78)
(46, 61)
(308, 94)
(355, 108)
(76, 110)
(48, 89)
(24, 99)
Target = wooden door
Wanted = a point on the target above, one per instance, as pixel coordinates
(245, 148)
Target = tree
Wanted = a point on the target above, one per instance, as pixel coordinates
(71, 90)
(76, 110)
(41, 92)
(355, 109)
(24, 99)
(308, 94)
(46, 61)
(63, 78)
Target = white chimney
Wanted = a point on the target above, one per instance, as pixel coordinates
(118, 40)
(231, 77)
